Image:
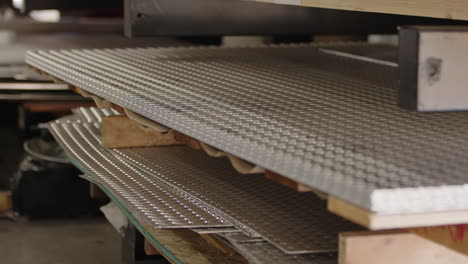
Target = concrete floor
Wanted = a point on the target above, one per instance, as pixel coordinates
(90, 241)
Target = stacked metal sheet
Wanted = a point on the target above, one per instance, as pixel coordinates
(263, 252)
(220, 230)
(93, 114)
(327, 121)
(152, 192)
(152, 201)
(295, 222)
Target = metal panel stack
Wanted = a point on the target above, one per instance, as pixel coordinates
(325, 117)
(177, 187)
(329, 122)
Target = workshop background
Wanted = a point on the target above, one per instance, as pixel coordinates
(233, 131)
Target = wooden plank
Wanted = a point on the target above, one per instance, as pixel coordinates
(150, 250)
(189, 247)
(287, 182)
(378, 222)
(121, 132)
(451, 236)
(451, 9)
(393, 247)
(186, 140)
(240, 165)
(298, 187)
(146, 122)
(215, 242)
(5, 202)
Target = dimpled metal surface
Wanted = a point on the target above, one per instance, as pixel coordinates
(217, 230)
(326, 121)
(295, 222)
(241, 238)
(151, 201)
(216, 186)
(266, 253)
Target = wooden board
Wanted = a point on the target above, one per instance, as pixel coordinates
(150, 250)
(145, 121)
(240, 165)
(287, 182)
(186, 140)
(121, 132)
(393, 247)
(451, 9)
(217, 243)
(378, 222)
(189, 247)
(454, 236)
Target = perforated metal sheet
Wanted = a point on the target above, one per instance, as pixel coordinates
(93, 114)
(241, 238)
(217, 230)
(326, 121)
(295, 222)
(266, 253)
(150, 200)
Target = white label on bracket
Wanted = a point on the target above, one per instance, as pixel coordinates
(443, 71)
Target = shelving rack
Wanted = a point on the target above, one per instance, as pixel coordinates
(322, 119)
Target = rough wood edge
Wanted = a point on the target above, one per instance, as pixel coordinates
(290, 183)
(343, 241)
(150, 250)
(188, 141)
(242, 166)
(145, 121)
(390, 247)
(451, 236)
(121, 132)
(190, 247)
(217, 243)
